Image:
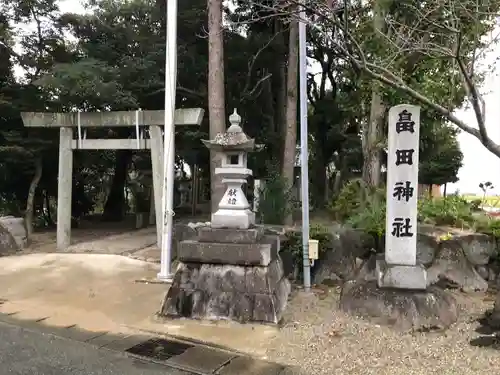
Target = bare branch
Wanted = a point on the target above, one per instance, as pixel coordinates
(257, 86)
(246, 91)
(416, 31)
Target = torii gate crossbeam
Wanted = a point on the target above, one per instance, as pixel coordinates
(67, 122)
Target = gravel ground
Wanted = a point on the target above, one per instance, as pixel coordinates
(320, 339)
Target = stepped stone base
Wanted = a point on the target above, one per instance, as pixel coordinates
(258, 254)
(234, 282)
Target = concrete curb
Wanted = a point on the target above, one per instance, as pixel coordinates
(198, 358)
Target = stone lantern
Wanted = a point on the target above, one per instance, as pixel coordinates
(232, 268)
(233, 210)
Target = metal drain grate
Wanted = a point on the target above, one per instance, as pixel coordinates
(159, 349)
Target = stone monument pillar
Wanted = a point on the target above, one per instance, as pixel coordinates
(397, 293)
(399, 269)
(232, 270)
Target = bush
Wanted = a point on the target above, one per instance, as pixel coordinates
(276, 200)
(362, 207)
(371, 220)
(451, 210)
(293, 243)
(7, 207)
(476, 205)
(355, 197)
(487, 225)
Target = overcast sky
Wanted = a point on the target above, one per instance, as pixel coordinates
(71, 6)
(479, 164)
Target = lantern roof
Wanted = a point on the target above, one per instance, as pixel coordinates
(233, 139)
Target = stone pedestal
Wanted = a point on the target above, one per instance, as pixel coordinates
(402, 309)
(401, 276)
(229, 274)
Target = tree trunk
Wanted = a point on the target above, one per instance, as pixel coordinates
(30, 202)
(281, 109)
(291, 111)
(280, 87)
(114, 209)
(372, 137)
(216, 103)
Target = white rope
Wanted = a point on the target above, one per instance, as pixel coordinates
(137, 130)
(170, 213)
(79, 130)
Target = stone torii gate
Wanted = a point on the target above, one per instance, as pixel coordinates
(67, 122)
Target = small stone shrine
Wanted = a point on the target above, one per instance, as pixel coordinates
(232, 270)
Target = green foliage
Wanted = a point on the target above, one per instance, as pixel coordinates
(275, 197)
(440, 154)
(488, 225)
(88, 84)
(362, 207)
(356, 196)
(371, 220)
(475, 205)
(115, 61)
(451, 210)
(8, 207)
(81, 203)
(293, 243)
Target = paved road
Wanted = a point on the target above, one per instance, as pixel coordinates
(23, 352)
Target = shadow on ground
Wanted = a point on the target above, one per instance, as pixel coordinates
(490, 335)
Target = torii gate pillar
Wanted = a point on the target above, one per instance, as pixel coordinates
(69, 121)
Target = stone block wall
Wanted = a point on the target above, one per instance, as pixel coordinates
(453, 258)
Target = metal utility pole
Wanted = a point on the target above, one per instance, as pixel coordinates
(304, 150)
(169, 141)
